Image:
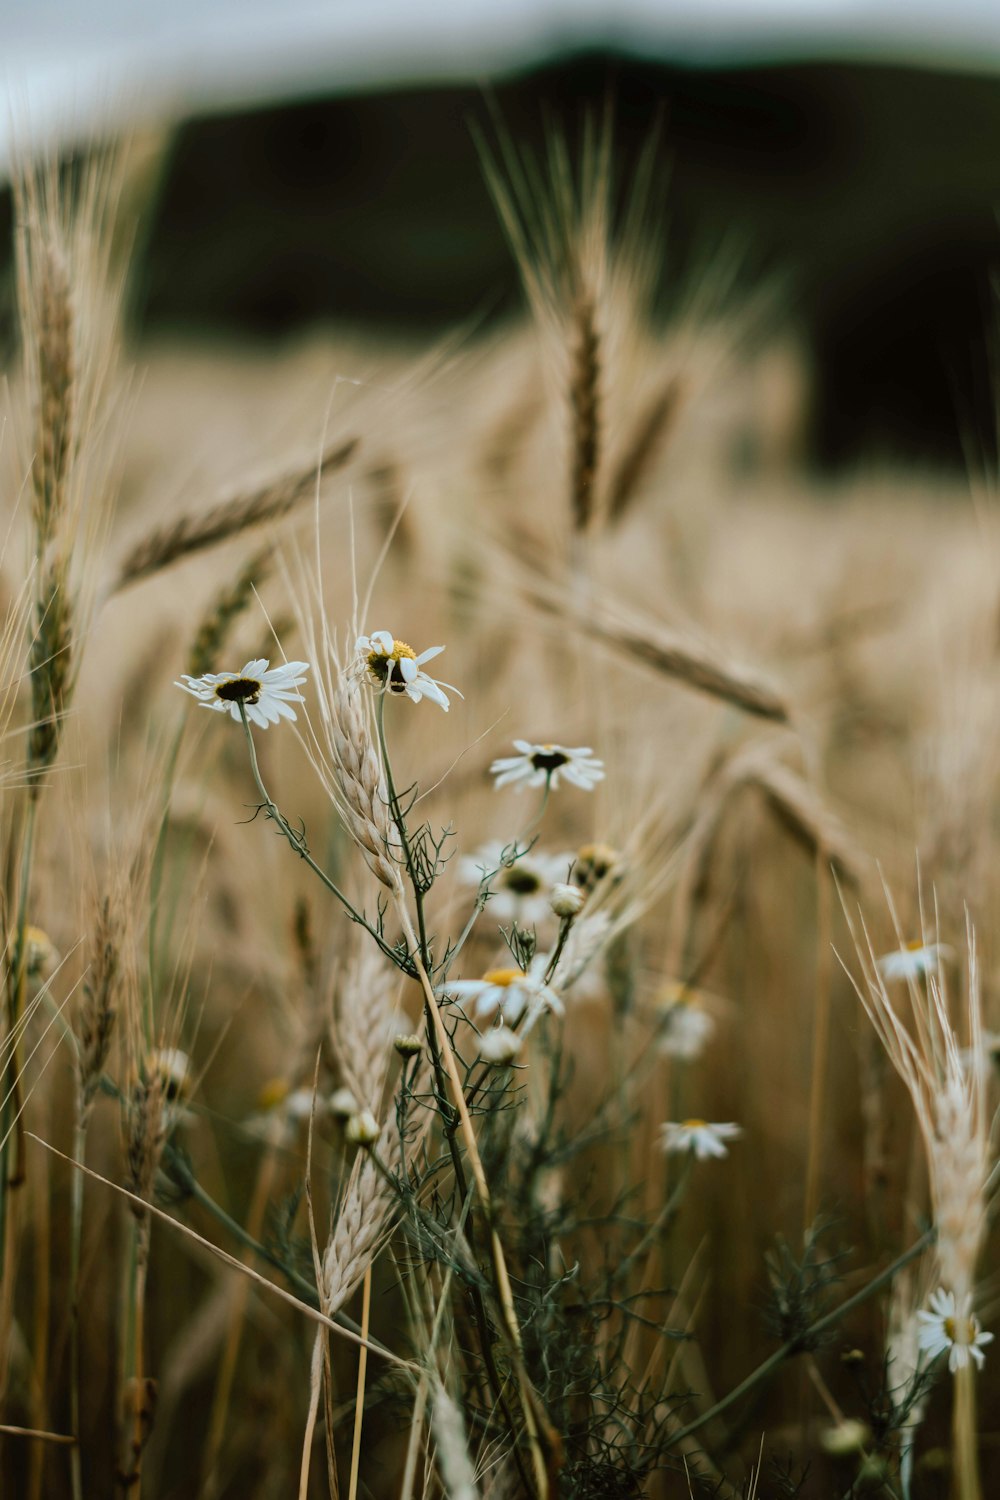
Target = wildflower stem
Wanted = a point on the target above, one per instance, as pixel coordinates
(395, 812)
(805, 1338)
(502, 1275)
(967, 1485)
(75, 1236)
(298, 843)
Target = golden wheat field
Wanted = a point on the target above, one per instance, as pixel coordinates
(557, 1066)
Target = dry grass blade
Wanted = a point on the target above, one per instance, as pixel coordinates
(166, 545)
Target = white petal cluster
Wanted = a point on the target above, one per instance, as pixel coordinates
(697, 1137)
(686, 1027)
(396, 668)
(541, 765)
(266, 695)
(912, 962)
(509, 993)
(952, 1327)
(521, 889)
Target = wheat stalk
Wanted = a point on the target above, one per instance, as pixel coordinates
(190, 533)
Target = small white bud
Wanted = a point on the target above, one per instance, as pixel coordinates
(566, 901)
(343, 1104)
(847, 1437)
(363, 1129)
(499, 1046)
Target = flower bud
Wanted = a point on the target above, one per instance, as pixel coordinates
(363, 1129)
(566, 901)
(408, 1045)
(846, 1438)
(343, 1104)
(499, 1046)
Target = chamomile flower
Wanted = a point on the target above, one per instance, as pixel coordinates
(266, 695)
(521, 890)
(685, 1025)
(541, 765)
(396, 668)
(697, 1137)
(912, 962)
(950, 1327)
(511, 993)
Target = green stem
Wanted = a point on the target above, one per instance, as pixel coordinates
(297, 842)
(796, 1345)
(396, 814)
(75, 1237)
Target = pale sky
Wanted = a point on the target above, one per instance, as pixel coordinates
(65, 62)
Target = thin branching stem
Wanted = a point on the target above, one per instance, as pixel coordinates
(298, 842)
(804, 1339)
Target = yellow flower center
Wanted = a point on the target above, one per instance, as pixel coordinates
(386, 668)
(694, 1124)
(502, 978)
(916, 945)
(245, 689)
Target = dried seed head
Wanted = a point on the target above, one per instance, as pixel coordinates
(144, 1127)
(100, 999)
(363, 795)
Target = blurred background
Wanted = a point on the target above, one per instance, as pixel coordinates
(317, 165)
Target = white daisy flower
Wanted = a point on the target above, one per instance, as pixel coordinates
(521, 890)
(698, 1137)
(395, 666)
(174, 1068)
(266, 695)
(507, 992)
(538, 765)
(685, 1025)
(949, 1327)
(912, 962)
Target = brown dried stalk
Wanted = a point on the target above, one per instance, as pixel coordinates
(584, 401)
(369, 1208)
(652, 428)
(366, 1004)
(363, 798)
(100, 1001)
(52, 671)
(144, 1136)
(48, 286)
(193, 533)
